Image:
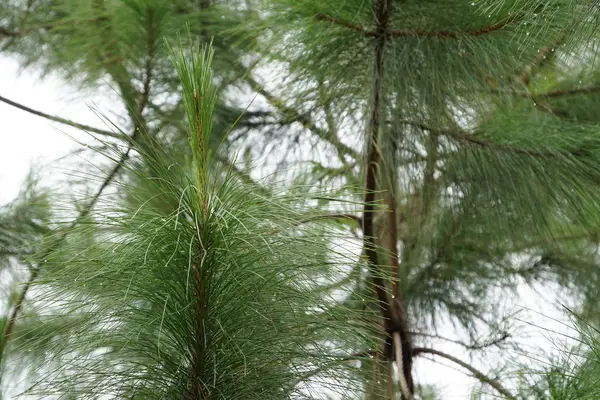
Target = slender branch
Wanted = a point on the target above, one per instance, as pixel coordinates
(240, 173)
(566, 92)
(336, 361)
(540, 59)
(352, 217)
(326, 103)
(323, 217)
(453, 34)
(476, 373)
(547, 108)
(8, 328)
(10, 253)
(294, 116)
(593, 236)
(552, 93)
(60, 120)
(470, 346)
(47, 26)
(336, 21)
(484, 143)
(416, 32)
(8, 33)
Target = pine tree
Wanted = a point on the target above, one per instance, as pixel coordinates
(458, 139)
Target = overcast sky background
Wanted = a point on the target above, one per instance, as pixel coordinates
(27, 140)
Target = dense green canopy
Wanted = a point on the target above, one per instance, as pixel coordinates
(454, 143)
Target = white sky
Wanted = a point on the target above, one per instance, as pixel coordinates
(26, 140)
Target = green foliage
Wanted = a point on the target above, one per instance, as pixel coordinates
(488, 142)
(23, 221)
(214, 298)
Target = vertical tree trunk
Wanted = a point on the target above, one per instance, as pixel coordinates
(392, 311)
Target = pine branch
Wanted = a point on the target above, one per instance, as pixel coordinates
(60, 120)
(47, 26)
(292, 115)
(337, 359)
(241, 174)
(8, 328)
(473, 139)
(469, 346)
(547, 108)
(352, 27)
(417, 32)
(137, 117)
(326, 103)
(8, 33)
(145, 95)
(352, 217)
(540, 59)
(593, 236)
(14, 253)
(323, 217)
(567, 92)
(476, 373)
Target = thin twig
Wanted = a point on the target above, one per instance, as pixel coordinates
(47, 26)
(484, 143)
(17, 309)
(323, 217)
(470, 346)
(567, 92)
(292, 115)
(476, 373)
(60, 120)
(8, 33)
(452, 34)
(540, 59)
